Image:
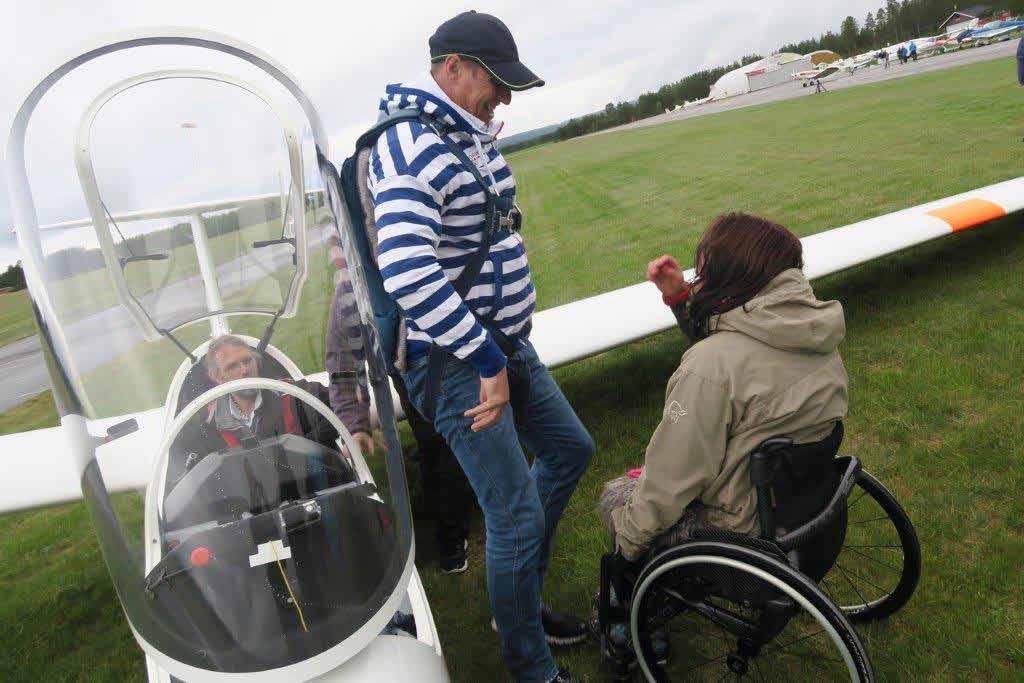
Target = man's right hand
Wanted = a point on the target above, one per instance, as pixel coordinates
(666, 274)
(494, 394)
(366, 443)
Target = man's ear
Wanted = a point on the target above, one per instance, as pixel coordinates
(452, 66)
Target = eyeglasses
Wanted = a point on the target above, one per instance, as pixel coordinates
(494, 81)
(491, 77)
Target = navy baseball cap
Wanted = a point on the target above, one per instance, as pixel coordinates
(487, 41)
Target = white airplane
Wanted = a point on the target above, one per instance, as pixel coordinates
(282, 558)
(809, 76)
(697, 102)
(862, 61)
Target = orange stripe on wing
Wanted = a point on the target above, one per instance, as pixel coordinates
(969, 213)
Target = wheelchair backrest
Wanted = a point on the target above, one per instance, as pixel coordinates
(795, 484)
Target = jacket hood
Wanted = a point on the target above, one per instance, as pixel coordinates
(786, 315)
(429, 98)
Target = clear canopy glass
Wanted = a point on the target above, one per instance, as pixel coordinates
(272, 533)
(182, 198)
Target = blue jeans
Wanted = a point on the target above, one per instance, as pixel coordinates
(521, 505)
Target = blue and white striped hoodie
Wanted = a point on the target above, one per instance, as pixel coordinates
(429, 213)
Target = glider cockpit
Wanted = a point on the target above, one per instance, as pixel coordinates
(263, 544)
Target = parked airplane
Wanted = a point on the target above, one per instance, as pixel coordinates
(991, 32)
(809, 76)
(925, 45)
(853, 64)
(282, 556)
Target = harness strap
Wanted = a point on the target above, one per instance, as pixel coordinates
(291, 422)
(501, 215)
(288, 414)
(437, 357)
(229, 438)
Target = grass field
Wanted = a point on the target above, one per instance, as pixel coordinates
(15, 317)
(934, 350)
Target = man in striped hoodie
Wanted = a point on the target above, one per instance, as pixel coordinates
(493, 392)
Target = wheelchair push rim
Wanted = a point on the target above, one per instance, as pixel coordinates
(743, 658)
(879, 565)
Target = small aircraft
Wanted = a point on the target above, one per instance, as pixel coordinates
(853, 64)
(991, 32)
(814, 76)
(286, 555)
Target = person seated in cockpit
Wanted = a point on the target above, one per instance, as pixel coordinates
(248, 413)
(764, 363)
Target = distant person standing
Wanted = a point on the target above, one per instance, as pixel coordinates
(901, 54)
(913, 51)
(1020, 61)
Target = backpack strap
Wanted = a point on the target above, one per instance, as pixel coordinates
(494, 223)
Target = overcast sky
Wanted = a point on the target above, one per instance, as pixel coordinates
(343, 53)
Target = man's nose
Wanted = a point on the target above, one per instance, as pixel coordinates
(505, 96)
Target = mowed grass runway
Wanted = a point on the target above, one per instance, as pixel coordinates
(934, 350)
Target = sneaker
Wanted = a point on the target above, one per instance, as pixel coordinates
(560, 628)
(454, 558)
(563, 675)
(620, 646)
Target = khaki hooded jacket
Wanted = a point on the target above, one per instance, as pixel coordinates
(768, 368)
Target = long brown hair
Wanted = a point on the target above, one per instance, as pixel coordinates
(736, 257)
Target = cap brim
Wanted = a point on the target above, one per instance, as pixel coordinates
(514, 75)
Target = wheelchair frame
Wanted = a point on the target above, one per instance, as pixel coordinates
(770, 559)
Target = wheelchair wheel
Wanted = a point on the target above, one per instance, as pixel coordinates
(880, 563)
(732, 612)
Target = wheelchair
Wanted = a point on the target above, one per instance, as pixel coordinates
(835, 548)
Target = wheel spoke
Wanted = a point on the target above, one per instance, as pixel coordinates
(855, 589)
(812, 656)
(849, 505)
(710, 661)
(868, 557)
(777, 648)
(828, 589)
(865, 580)
(873, 519)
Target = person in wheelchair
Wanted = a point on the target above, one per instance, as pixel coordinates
(764, 362)
(245, 414)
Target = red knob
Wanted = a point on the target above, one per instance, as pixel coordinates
(200, 557)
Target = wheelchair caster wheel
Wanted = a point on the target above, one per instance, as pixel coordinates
(738, 665)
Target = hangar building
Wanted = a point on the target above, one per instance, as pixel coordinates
(772, 70)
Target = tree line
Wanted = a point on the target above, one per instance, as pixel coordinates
(13, 278)
(893, 22)
(75, 260)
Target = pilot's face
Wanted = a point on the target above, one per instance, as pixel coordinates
(478, 93)
(235, 362)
